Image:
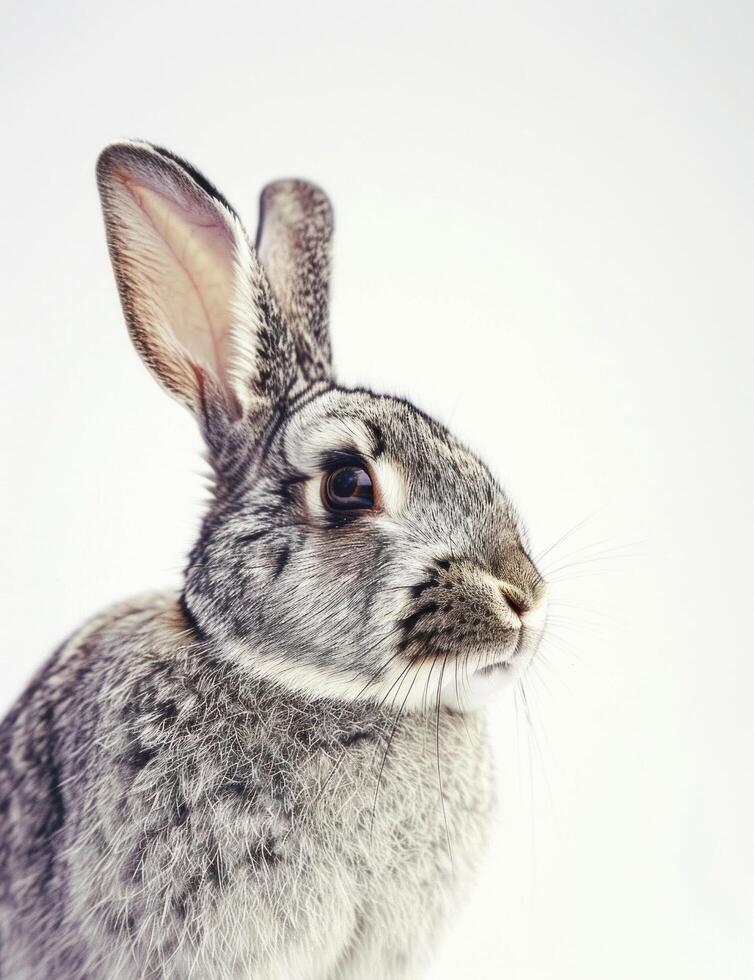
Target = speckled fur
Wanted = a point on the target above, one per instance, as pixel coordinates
(280, 772)
(169, 818)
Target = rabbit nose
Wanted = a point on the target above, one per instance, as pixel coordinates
(529, 606)
(515, 598)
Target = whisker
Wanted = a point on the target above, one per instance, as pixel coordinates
(538, 558)
(439, 768)
(387, 750)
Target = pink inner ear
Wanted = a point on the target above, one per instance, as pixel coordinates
(187, 272)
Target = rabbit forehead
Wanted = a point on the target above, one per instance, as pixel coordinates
(372, 425)
(325, 425)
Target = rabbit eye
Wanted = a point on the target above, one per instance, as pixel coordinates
(348, 488)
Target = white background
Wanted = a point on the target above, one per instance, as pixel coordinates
(545, 238)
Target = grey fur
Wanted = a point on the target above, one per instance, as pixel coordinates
(294, 241)
(280, 772)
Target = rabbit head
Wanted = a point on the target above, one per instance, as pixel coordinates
(353, 548)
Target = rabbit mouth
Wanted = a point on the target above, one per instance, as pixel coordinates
(500, 668)
(524, 647)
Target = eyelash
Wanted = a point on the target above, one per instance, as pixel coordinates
(335, 458)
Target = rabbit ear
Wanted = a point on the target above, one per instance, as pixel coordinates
(294, 242)
(194, 296)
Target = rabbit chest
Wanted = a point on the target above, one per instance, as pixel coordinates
(209, 829)
(351, 854)
(280, 839)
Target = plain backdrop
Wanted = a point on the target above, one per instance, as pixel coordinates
(544, 237)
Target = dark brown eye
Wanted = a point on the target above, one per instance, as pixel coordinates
(348, 488)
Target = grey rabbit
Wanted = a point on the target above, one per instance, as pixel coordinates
(280, 772)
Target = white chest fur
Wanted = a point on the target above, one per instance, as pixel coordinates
(367, 878)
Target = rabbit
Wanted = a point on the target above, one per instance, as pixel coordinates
(280, 771)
